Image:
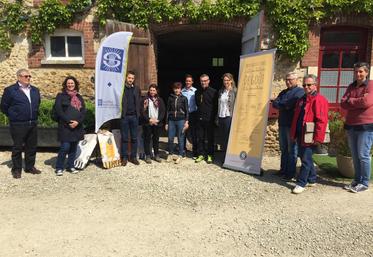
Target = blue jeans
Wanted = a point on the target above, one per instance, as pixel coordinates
(360, 143)
(128, 128)
(289, 152)
(175, 128)
(68, 148)
(307, 173)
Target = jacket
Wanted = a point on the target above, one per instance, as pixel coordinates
(315, 110)
(145, 112)
(231, 99)
(177, 108)
(207, 104)
(16, 106)
(65, 112)
(137, 93)
(285, 103)
(358, 102)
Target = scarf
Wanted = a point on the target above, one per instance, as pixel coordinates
(75, 102)
(155, 100)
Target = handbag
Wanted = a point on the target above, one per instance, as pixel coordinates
(309, 131)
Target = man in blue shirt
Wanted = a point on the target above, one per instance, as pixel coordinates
(189, 92)
(285, 103)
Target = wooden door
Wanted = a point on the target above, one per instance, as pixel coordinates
(139, 51)
(251, 35)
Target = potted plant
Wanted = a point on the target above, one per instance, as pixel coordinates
(339, 145)
(47, 127)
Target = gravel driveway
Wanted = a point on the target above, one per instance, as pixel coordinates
(178, 210)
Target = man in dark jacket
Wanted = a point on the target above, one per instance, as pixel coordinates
(130, 119)
(285, 103)
(207, 106)
(20, 103)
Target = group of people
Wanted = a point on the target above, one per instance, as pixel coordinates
(302, 110)
(193, 113)
(189, 112)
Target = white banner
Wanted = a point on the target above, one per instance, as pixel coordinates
(111, 66)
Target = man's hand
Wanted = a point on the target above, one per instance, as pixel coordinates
(166, 127)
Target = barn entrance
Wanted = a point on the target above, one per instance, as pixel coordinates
(195, 53)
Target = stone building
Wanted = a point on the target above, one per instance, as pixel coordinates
(167, 51)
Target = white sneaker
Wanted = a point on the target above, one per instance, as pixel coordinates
(59, 172)
(298, 189)
(73, 171)
(178, 159)
(359, 188)
(350, 186)
(169, 158)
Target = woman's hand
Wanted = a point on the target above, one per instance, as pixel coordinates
(73, 124)
(166, 127)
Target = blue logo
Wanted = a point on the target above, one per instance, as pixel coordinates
(99, 102)
(112, 59)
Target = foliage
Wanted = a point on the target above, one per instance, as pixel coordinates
(45, 115)
(291, 19)
(338, 135)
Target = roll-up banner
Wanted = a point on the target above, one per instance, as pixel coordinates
(111, 66)
(249, 121)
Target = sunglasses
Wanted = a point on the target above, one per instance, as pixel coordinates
(26, 76)
(308, 85)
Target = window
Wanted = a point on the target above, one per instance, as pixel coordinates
(217, 62)
(64, 47)
(340, 49)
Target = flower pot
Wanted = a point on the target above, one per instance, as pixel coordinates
(345, 166)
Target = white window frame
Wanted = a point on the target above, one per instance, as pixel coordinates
(49, 59)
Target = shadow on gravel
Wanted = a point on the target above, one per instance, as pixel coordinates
(7, 163)
(269, 176)
(51, 162)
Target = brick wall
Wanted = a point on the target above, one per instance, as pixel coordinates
(90, 32)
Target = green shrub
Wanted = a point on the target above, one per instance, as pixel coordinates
(338, 135)
(45, 115)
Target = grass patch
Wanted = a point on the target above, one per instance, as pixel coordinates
(328, 164)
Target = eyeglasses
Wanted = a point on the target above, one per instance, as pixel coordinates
(308, 85)
(26, 76)
(205, 80)
(290, 79)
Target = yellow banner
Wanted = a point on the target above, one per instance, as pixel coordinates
(249, 123)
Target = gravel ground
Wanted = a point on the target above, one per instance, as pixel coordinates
(178, 210)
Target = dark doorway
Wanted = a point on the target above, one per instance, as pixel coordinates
(195, 53)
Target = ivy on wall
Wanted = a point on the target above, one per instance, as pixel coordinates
(290, 19)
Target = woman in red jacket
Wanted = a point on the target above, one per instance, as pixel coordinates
(358, 102)
(312, 107)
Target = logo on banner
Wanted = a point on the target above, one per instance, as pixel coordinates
(112, 59)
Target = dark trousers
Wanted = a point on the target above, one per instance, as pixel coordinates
(128, 129)
(151, 135)
(25, 137)
(307, 173)
(205, 131)
(67, 148)
(225, 126)
(191, 133)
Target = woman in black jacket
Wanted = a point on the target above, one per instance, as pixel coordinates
(152, 112)
(70, 111)
(176, 121)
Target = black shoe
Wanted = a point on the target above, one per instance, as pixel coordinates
(135, 161)
(16, 174)
(287, 178)
(33, 171)
(124, 162)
